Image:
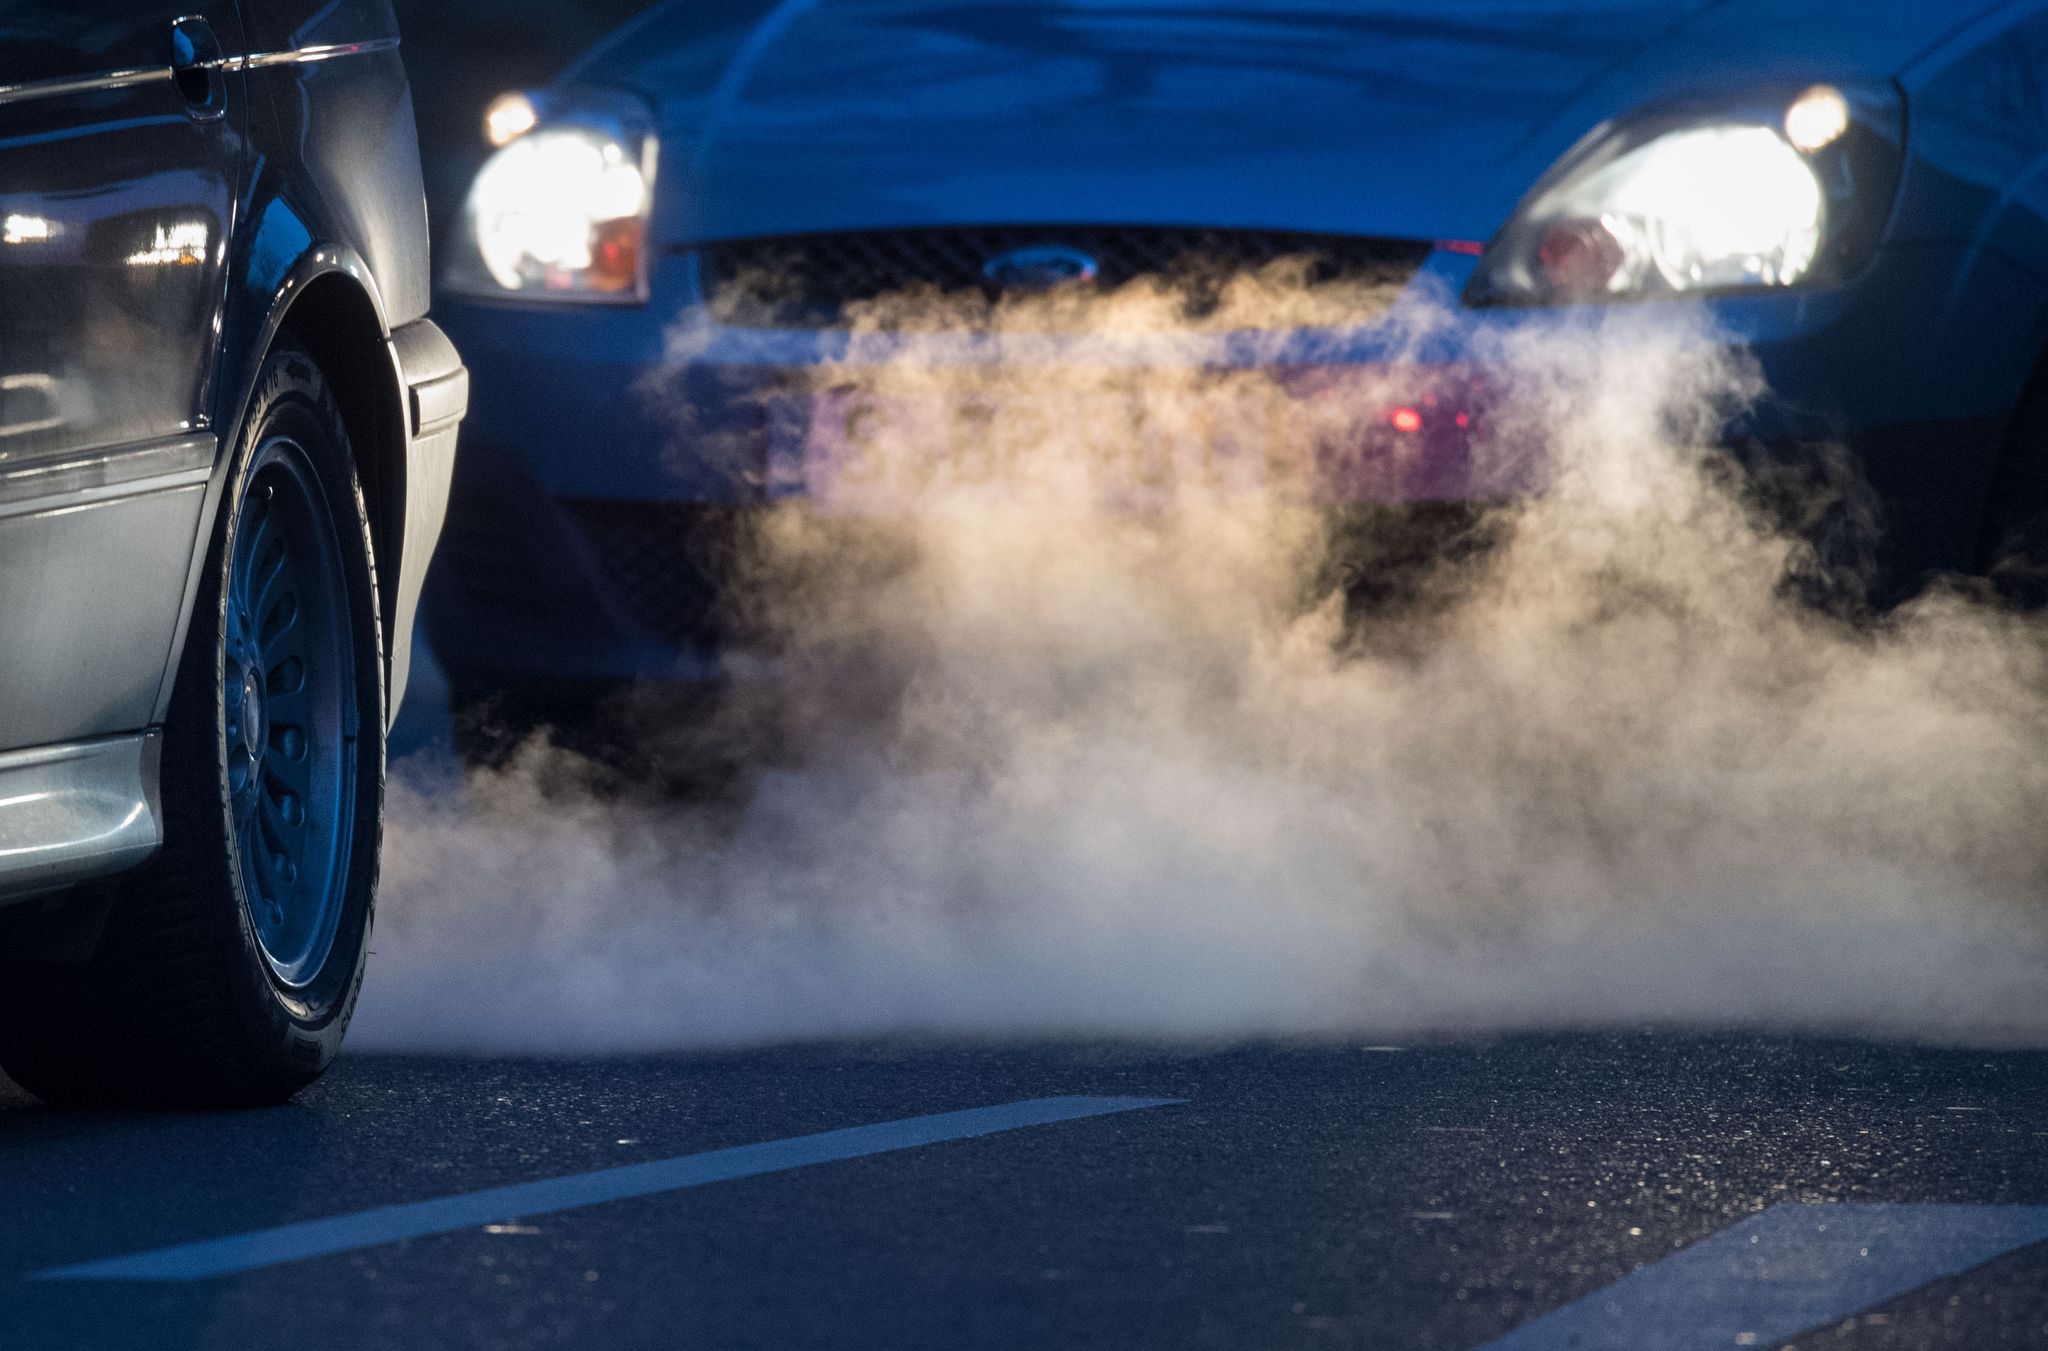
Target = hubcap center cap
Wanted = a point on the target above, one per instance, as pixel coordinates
(253, 729)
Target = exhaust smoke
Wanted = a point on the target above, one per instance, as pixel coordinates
(1099, 721)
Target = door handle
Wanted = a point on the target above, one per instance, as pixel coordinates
(196, 66)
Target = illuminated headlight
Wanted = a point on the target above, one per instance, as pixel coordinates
(509, 116)
(560, 212)
(1715, 204)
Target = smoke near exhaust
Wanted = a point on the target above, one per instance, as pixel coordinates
(1107, 672)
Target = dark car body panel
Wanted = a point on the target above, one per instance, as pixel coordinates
(178, 185)
(1386, 118)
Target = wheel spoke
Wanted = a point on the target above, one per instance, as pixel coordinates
(263, 557)
(277, 622)
(287, 819)
(293, 711)
(288, 621)
(257, 877)
(285, 776)
(274, 583)
(289, 707)
(275, 852)
(284, 674)
(293, 733)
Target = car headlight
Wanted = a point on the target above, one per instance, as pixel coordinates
(1698, 201)
(560, 211)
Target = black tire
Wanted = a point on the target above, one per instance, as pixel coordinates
(184, 1002)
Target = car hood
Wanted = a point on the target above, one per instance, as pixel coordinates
(1420, 119)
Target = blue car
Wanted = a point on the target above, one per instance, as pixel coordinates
(1854, 192)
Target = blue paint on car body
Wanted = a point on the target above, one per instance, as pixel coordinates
(873, 127)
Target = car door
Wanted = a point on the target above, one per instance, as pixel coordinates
(120, 157)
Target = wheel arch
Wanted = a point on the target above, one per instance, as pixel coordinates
(329, 304)
(336, 320)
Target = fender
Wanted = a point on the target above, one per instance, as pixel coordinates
(1977, 169)
(403, 393)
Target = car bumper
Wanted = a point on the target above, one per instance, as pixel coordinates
(613, 448)
(436, 399)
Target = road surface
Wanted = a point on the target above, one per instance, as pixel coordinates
(1646, 1190)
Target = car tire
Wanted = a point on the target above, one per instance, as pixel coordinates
(228, 969)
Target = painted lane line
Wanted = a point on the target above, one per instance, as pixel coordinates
(1781, 1274)
(369, 1228)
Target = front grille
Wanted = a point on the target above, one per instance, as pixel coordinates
(668, 562)
(814, 281)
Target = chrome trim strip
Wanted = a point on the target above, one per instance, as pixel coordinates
(306, 56)
(75, 812)
(61, 85)
(80, 84)
(70, 478)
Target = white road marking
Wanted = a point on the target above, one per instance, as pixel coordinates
(1780, 1274)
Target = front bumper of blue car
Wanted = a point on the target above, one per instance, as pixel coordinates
(612, 450)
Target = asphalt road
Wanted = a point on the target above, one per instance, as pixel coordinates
(1329, 1196)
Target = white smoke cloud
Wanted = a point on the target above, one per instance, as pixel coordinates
(1073, 752)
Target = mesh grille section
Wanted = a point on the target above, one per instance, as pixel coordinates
(667, 560)
(810, 281)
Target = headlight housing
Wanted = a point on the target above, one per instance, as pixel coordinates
(1786, 190)
(560, 211)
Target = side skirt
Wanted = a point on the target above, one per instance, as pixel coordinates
(73, 813)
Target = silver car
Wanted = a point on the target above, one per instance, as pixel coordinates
(226, 435)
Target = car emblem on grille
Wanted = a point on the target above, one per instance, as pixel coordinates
(1039, 267)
